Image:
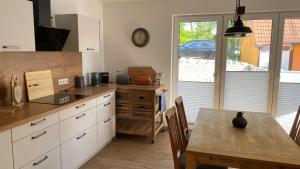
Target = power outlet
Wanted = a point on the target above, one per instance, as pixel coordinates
(63, 81)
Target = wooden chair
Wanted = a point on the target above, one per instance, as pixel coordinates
(178, 151)
(295, 132)
(183, 124)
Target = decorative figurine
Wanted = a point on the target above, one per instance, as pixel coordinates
(239, 121)
(16, 93)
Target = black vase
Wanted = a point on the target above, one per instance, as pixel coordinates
(239, 121)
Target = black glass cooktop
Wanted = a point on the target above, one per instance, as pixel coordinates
(59, 99)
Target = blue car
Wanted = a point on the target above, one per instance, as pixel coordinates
(205, 49)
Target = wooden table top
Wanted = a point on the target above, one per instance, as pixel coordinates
(262, 140)
(33, 111)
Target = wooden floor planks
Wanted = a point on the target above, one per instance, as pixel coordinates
(131, 152)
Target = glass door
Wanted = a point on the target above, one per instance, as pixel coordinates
(197, 59)
(287, 86)
(249, 65)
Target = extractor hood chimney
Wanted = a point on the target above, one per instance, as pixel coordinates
(47, 38)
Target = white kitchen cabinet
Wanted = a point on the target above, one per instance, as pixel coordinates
(34, 126)
(6, 156)
(79, 149)
(34, 145)
(105, 132)
(79, 108)
(17, 25)
(106, 119)
(76, 124)
(50, 160)
(85, 32)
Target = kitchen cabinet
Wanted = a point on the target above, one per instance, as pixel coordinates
(77, 150)
(6, 156)
(61, 140)
(34, 145)
(76, 124)
(85, 32)
(48, 160)
(106, 118)
(138, 110)
(17, 25)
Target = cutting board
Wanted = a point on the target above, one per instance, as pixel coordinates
(138, 72)
(39, 84)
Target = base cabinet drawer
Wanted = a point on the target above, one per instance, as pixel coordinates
(76, 124)
(104, 111)
(33, 146)
(50, 160)
(105, 132)
(6, 158)
(105, 98)
(79, 149)
(34, 126)
(72, 111)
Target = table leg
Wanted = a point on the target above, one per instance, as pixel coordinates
(190, 161)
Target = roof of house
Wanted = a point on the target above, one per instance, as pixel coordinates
(262, 31)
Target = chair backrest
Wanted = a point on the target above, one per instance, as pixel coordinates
(174, 133)
(295, 132)
(182, 120)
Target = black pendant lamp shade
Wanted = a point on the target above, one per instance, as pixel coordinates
(238, 29)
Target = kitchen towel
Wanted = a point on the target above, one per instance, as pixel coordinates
(163, 105)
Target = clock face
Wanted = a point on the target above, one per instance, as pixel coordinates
(140, 37)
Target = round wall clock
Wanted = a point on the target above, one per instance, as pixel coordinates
(140, 37)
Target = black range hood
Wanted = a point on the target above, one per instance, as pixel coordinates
(47, 38)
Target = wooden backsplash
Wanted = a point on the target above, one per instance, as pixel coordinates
(62, 64)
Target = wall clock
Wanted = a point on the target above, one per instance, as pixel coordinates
(140, 37)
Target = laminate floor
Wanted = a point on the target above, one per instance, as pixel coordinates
(131, 152)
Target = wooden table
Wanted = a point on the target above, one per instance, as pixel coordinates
(262, 145)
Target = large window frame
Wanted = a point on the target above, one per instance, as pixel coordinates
(277, 18)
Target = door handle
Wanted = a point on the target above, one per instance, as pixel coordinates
(77, 107)
(80, 137)
(39, 135)
(38, 122)
(39, 162)
(78, 117)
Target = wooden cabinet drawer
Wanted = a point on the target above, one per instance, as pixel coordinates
(122, 96)
(76, 124)
(6, 158)
(146, 97)
(105, 132)
(46, 161)
(34, 126)
(79, 148)
(142, 110)
(72, 111)
(105, 98)
(31, 147)
(104, 111)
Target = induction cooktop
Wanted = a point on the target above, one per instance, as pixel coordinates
(59, 99)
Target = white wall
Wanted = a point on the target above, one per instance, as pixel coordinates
(121, 18)
(92, 62)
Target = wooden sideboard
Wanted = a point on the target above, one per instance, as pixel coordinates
(138, 110)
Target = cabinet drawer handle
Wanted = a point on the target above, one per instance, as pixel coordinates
(106, 96)
(34, 85)
(37, 122)
(107, 120)
(39, 135)
(141, 97)
(141, 107)
(77, 107)
(78, 117)
(107, 104)
(39, 162)
(80, 137)
(92, 49)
